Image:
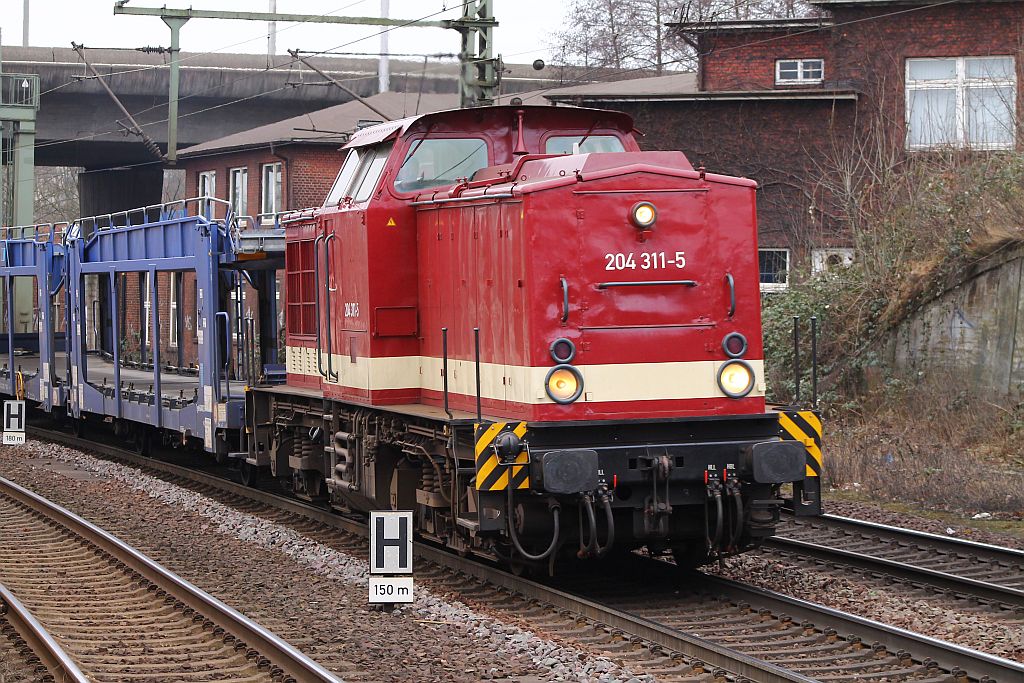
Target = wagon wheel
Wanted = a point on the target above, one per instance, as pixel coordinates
(142, 441)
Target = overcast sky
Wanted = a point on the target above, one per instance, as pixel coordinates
(523, 34)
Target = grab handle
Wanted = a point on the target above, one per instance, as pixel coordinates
(331, 374)
(565, 298)
(732, 293)
(316, 295)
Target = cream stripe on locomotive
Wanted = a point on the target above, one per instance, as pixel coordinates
(524, 384)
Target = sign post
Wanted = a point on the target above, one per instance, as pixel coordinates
(14, 423)
(390, 554)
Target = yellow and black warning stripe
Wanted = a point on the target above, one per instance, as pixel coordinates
(491, 474)
(804, 426)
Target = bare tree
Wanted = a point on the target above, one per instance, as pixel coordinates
(632, 34)
(56, 194)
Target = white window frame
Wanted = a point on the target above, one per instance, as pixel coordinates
(239, 203)
(172, 308)
(276, 195)
(774, 286)
(960, 84)
(208, 178)
(821, 256)
(801, 78)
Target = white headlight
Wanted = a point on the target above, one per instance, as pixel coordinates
(736, 379)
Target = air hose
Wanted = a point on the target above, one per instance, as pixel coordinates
(555, 513)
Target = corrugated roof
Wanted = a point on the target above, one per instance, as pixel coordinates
(329, 126)
(677, 83)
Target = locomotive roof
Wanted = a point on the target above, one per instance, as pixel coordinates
(564, 115)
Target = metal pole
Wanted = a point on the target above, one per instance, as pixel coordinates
(271, 31)
(796, 359)
(384, 68)
(175, 25)
(24, 25)
(476, 344)
(814, 361)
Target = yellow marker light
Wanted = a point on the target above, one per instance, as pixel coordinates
(736, 379)
(564, 384)
(643, 215)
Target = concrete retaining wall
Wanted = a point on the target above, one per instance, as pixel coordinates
(973, 332)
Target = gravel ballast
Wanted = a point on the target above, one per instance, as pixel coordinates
(310, 594)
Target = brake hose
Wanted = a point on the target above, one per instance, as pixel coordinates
(555, 510)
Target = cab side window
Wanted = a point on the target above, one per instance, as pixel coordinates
(437, 162)
(575, 144)
(344, 178)
(360, 173)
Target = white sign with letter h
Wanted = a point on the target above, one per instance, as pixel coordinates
(390, 553)
(14, 423)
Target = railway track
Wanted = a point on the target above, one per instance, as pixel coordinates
(28, 653)
(118, 615)
(714, 626)
(964, 569)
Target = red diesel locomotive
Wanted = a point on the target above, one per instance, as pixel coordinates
(539, 338)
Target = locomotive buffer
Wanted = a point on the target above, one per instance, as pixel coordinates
(390, 556)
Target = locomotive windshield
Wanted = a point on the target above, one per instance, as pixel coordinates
(437, 162)
(360, 173)
(567, 144)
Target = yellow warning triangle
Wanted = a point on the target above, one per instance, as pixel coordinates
(391, 223)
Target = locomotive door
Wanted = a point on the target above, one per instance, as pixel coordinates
(346, 314)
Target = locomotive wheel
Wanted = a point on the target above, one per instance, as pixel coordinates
(690, 556)
(249, 474)
(78, 427)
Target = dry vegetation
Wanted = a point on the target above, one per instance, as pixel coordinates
(920, 222)
(932, 445)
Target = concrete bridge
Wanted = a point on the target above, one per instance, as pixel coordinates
(220, 94)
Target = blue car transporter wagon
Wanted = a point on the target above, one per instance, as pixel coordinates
(94, 344)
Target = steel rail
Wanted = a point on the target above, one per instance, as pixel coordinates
(43, 645)
(947, 655)
(292, 661)
(712, 653)
(988, 551)
(946, 581)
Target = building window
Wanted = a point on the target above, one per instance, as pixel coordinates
(207, 188)
(774, 267)
(237, 193)
(172, 338)
(830, 259)
(270, 183)
(799, 71)
(961, 102)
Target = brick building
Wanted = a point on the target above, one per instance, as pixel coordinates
(788, 101)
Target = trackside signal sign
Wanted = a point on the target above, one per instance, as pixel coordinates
(390, 553)
(14, 423)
